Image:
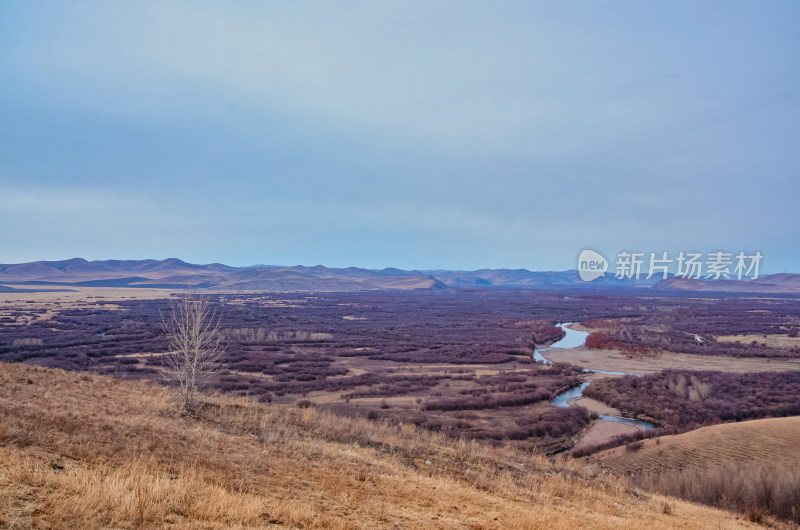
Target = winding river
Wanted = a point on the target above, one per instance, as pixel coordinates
(574, 339)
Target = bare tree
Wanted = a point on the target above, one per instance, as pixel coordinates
(196, 346)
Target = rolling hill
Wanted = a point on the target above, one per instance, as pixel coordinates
(752, 466)
(771, 440)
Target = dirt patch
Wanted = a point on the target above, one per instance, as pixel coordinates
(603, 430)
(594, 406)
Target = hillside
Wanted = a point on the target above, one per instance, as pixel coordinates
(771, 440)
(80, 450)
(753, 466)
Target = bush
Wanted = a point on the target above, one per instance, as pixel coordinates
(597, 341)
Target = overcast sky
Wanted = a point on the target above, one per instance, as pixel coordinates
(408, 134)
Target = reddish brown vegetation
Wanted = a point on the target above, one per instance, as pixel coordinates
(601, 323)
(426, 353)
(676, 327)
(597, 340)
(600, 341)
(687, 400)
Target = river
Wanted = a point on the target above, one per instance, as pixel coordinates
(574, 339)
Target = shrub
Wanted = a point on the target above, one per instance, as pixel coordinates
(597, 340)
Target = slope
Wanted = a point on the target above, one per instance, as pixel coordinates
(80, 450)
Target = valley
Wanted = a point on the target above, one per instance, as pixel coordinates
(504, 369)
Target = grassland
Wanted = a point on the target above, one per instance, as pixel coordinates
(773, 440)
(752, 466)
(82, 451)
(775, 341)
(617, 361)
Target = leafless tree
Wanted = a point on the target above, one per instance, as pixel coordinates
(196, 346)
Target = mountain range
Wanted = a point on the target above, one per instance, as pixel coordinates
(174, 273)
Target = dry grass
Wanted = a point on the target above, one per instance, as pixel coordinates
(775, 341)
(616, 361)
(773, 440)
(752, 466)
(755, 489)
(29, 304)
(84, 451)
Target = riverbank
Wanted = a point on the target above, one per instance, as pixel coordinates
(610, 422)
(592, 405)
(601, 430)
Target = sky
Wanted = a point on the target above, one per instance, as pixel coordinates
(410, 134)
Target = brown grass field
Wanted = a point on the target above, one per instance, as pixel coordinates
(88, 451)
(777, 341)
(69, 298)
(752, 466)
(774, 440)
(616, 361)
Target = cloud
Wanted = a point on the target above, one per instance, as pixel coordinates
(491, 131)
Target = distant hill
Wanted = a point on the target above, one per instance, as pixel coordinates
(174, 273)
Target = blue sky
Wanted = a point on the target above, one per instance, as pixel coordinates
(407, 134)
